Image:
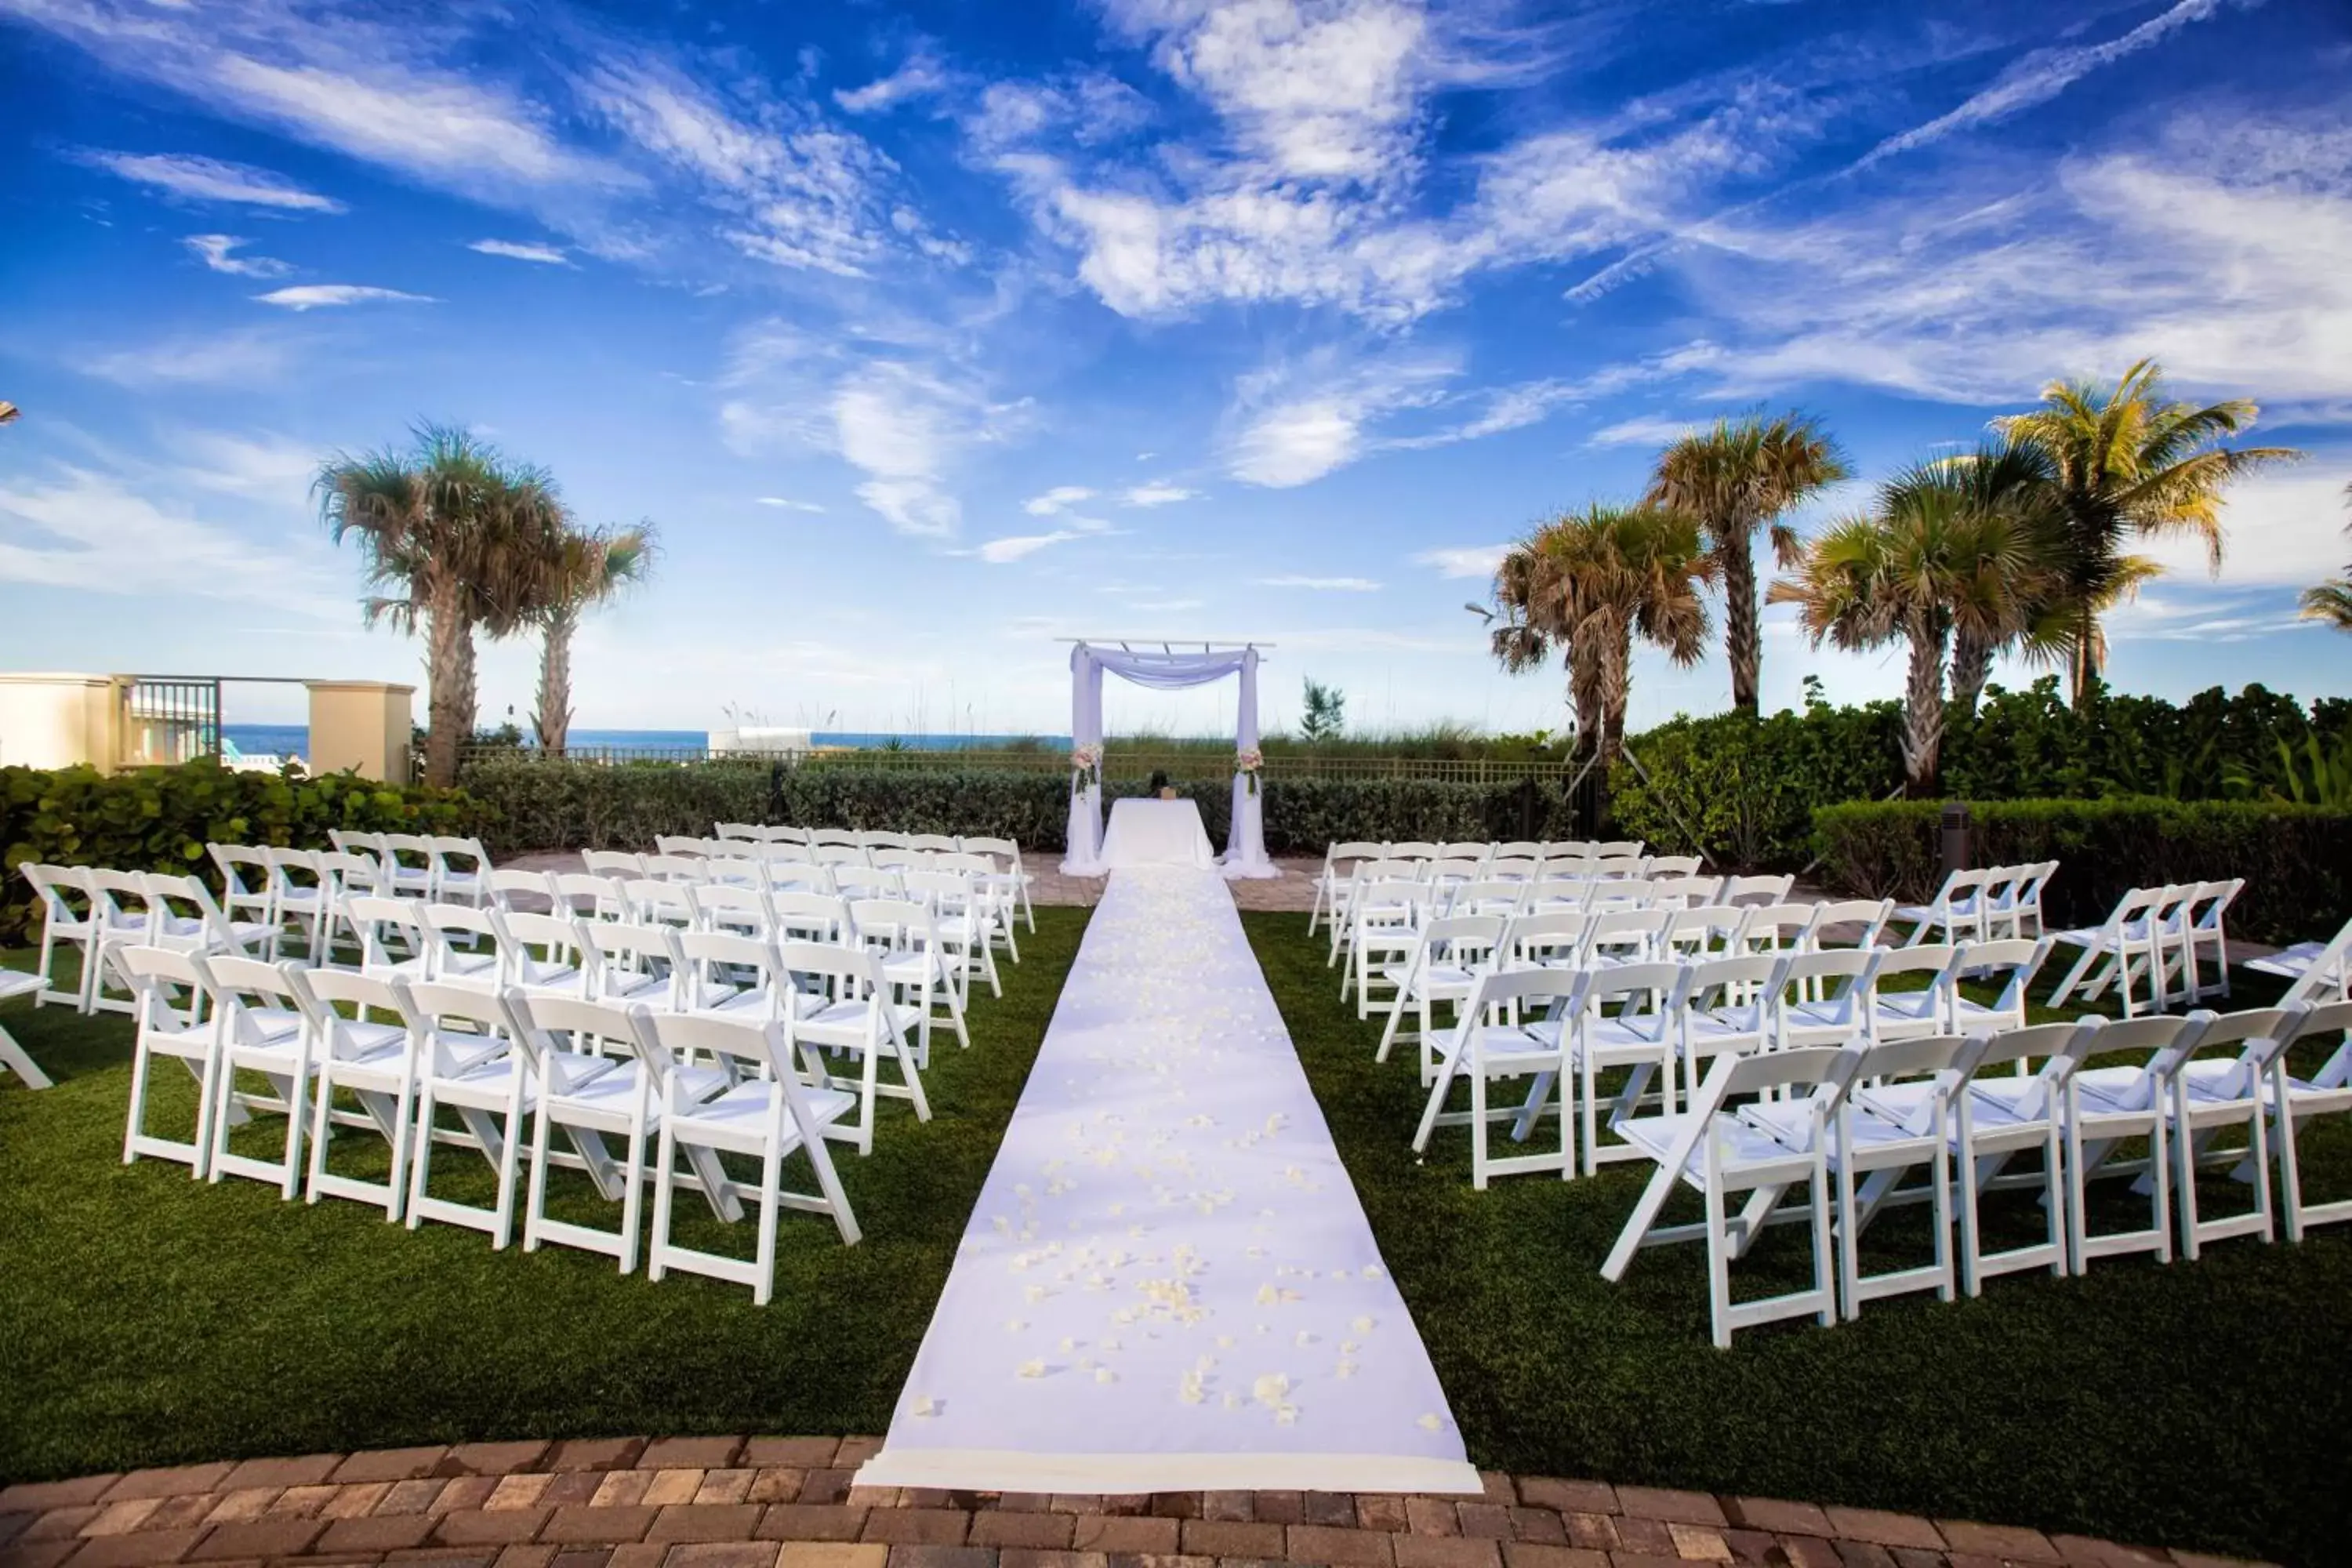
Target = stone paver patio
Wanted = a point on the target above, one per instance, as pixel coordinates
(788, 1502)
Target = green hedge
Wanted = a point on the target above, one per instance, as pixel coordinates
(543, 804)
(159, 819)
(2297, 860)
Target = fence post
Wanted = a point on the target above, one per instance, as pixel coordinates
(1955, 835)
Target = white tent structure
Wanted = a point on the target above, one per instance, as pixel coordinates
(1165, 666)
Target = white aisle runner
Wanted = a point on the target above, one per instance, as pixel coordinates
(1168, 1284)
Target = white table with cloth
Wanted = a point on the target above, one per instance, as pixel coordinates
(1144, 832)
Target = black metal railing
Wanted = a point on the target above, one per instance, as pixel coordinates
(170, 719)
(1196, 763)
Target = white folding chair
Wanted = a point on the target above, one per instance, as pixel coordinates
(373, 1061)
(990, 891)
(262, 1031)
(1442, 969)
(118, 904)
(244, 888)
(513, 890)
(392, 938)
(719, 906)
(1642, 1036)
(854, 1015)
(63, 926)
(1487, 897)
(1685, 892)
(2000, 1116)
(183, 914)
(1331, 884)
(13, 1056)
(1708, 930)
(2197, 928)
(2130, 940)
(301, 895)
(630, 964)
(1955, 914)
(587, 895)
(1516, 1025)
(1006, 853)
(727, 975)
(462, 945)
(1844, 922)
(173, 1024)
(467, 1060)
(1386, 918)
(1825, 997)
(461, 868)
(542, 954)
(1763, 890)
(1715, 1149)
(1726, 1010)
(768, 1114)
(745, 832)
(2219, 1081)
(2106, 1105)
(809, 917)
(922, 971)
(1661, 866)
(1907, 1012)
(965, 916)
(1895, 1117)
(2294, 1100)
(2009, 965)
(1615, 936)
(618, 863)
(597, 1080)
(677, 844)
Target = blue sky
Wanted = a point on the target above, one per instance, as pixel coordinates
(928, 333)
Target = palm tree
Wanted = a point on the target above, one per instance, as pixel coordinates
(8, 412)
(2130, 463)
(452, 537)
(1584, 585)
(2000, 478)
(586, 568)
(2332, 601)
(1733, 480)
(1930, 559)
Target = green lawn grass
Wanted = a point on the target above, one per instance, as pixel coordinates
(2204, 1404)
(145, 1318)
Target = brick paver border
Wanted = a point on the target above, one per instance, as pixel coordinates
(789, 1502)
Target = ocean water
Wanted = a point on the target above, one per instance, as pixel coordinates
(294, 739)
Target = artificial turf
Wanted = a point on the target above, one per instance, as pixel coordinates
(145, 1318)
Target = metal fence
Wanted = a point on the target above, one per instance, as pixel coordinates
(170, 719)
(1203, 764)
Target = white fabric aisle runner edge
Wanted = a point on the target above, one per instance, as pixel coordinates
(1168, 1284)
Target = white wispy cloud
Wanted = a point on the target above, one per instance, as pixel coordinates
(1464, 561)
(1321, 584)
(1059, 499)
(1642, 430)
(324, 296)
(513, 250)
(1157, 492)
(212, 180)
(218, 251)
(246, 357)
(1299, 421)
(922, 75)
(784, 503)
(1004, 552)
(2040, 76)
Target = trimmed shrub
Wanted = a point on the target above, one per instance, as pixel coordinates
(542, 804)
(1742, 791)
(160, 819)
(2297, 860)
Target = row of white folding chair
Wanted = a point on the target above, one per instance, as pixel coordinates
(1521, 860)
(1449, 953)
(973, 909)
(1880, 1112)
(1656, 1021)
(1005, 852)
(849, 872)
(1556, 884)
(2161, 933)
(1978, 904)
(435, 865)
(514, 1066)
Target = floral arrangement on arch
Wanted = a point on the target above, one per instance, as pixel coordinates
(1086, 767)
(1248, 763)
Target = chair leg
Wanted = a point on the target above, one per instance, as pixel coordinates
(1719, 1267)
(534, 1202)
(633, 1192)
(665, 1176)
(771, 1174)
(1478, 1128)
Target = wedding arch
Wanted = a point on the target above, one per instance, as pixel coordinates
(1164, 667)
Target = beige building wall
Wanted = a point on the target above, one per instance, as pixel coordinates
(61, 721)
(360, 724)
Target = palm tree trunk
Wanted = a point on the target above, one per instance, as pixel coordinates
(1743, 640)
(553, 720)
(1923, 711)
(449, 670)
(1616, 658)
(1971, 667)
(2086, 671)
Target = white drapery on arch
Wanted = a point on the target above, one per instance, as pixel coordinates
(1164, 669)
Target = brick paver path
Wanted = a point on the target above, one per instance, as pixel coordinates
(787, 1502)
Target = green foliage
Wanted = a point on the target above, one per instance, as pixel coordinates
(159, 819)
(2297, 860)
(531, 803)
(1743, 791)
(1325, 714)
